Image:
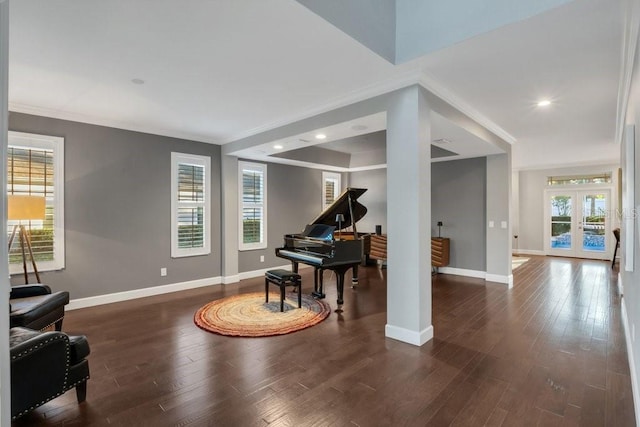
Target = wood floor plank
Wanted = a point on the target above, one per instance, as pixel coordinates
(549, 351)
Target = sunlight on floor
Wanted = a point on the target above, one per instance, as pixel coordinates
(517, 261)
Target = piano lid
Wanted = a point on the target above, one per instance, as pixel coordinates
(319, 232)
(341, 205)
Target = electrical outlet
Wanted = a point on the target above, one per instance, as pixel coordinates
(163, 271)
(261, 258)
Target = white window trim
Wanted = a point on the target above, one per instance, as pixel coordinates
(330, 176)
(192, 159)
(261, 167)
(55, 143)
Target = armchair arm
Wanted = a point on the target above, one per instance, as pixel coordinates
(24, 291)
(39, 367)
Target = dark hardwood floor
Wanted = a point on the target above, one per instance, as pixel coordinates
(548, 352)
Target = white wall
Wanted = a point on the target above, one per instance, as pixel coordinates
(631, 279)
(530, 192)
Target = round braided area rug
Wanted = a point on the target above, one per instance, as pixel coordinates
(247, 315)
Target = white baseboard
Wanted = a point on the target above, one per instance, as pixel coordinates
(499, 278)
(257, 273)
(620, 285)
(141, 293)
(165, 289)
(230, 279)
(507, 280)
(632, 366)
(408, 336)
(528, 252)
(462, 272)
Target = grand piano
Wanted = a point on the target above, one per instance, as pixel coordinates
(321, 246)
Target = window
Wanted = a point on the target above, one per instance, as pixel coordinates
(35, 166)
(190, 205)
(253, 205)
(602, 178)
(330, 188)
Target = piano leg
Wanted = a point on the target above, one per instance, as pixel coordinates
(354, 279)
(340, 272)
(318, 285)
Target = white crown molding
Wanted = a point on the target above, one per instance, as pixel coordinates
(87, 119)
(408, 78)
(603, 162)
(404, 80)
(368, 168)
(629, 45)
(380, 88)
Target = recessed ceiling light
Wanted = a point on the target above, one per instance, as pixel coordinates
(321, 136)
(278, 147)
(137, 81)
(544, 103)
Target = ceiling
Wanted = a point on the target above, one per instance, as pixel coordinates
(218, 71)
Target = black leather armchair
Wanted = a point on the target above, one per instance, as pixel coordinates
(36, 307)
(44, 365)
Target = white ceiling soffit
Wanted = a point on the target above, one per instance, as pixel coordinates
(336, 132)
(356, 137)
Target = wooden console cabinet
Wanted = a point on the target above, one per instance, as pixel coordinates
(378, 249)
(439, 251)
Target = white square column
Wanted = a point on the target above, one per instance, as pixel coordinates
(409, 218)
(499, 242)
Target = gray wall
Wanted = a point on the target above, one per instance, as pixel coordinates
(458, 192)
(375, 199)
(117, 208)
(529, 226)
(294, 196)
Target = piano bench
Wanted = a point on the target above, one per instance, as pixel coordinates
(283, 278)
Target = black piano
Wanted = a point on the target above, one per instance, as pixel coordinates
(320, 244)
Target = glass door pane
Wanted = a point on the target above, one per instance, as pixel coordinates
(593, 221)
(561, 211)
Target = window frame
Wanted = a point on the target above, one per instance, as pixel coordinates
(259, 167)
(326, 176)
(56, 145)
(197, 160)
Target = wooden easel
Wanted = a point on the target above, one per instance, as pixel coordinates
(24, 237)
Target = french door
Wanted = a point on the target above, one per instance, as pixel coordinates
(577, 223)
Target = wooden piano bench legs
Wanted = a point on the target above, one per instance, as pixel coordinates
(283, 278)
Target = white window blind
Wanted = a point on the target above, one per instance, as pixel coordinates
(190, 205)
(253, 202)
(331, 187)
(35, 167)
